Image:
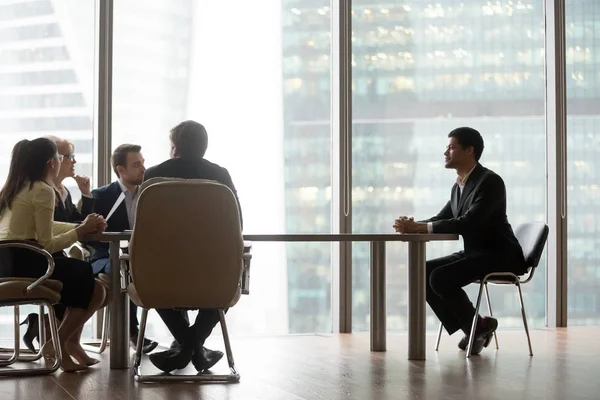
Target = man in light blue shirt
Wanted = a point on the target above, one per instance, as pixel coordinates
(117, 203)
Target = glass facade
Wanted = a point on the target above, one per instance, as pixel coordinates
(583, 168)
(263, 91)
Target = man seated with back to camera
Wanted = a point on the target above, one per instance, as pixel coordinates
(476, 211)
(189, 142)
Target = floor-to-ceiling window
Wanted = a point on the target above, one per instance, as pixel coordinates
(421, 69)
(583, 167)
(257, 75)
(47, 58)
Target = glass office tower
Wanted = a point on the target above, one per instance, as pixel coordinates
(419, 70)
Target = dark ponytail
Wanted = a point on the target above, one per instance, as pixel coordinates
(29, 163)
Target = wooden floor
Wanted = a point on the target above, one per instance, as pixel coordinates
(565, 365)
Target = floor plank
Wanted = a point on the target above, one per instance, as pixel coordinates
(565, 365)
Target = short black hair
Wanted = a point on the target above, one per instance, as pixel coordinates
(119, 156)
(190, 139)
(469, 137)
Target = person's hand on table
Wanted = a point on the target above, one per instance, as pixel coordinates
(405, 224)
(93, 223)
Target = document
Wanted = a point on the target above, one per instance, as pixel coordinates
(114, 207)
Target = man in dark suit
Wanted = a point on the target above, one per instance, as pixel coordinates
(189, 142)
(128, 164)
(477, 212)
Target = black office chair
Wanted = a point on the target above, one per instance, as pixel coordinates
(532, 236)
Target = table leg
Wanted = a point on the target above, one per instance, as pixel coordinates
(119, 314)
(378, 298)
(416, 300)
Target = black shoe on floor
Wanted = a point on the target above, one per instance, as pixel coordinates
(483, 334)
(171, 360)
(204, 359)
(464, 342)
(148, 346)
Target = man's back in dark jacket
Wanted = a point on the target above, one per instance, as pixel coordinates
(197, 168)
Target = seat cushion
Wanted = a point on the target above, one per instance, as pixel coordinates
(51, 284)
(17, 290)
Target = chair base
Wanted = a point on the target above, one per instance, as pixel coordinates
(233, 377)
(512, 280)
(17, 352)
(98, 347)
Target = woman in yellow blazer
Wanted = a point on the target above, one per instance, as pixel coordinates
(26, 213)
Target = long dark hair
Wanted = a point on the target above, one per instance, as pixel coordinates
(28, 163)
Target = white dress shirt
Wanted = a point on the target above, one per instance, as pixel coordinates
(461, 185)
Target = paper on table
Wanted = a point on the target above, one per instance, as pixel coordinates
(114, 207)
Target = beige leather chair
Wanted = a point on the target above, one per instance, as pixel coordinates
(189, 256)
(17, 291)
(245, 279)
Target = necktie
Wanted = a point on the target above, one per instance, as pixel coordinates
(458, 189)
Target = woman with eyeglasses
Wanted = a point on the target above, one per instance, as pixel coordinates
(64, 211)
(27, 203)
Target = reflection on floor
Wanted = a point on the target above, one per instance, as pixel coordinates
(565, 365)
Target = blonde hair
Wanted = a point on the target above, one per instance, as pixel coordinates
(60, 141)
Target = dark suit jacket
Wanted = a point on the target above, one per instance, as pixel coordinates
(193, 169)
(104, 199)
(480, 217)
(68, 212)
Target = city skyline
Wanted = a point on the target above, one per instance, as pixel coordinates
(264, 93)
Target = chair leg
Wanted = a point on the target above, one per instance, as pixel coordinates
(233, 377)
(474, 324)
(42, 327)
(439, 337)
(518, 284)
(4, 362)
(227, 345)
(137, 361)
(96, 347)
(489, 304)
(54, 338)
(105, 330)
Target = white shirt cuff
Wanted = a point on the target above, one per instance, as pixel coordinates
(430, 227)
(88, 196)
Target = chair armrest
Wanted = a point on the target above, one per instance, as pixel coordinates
(79, 251)
(245, 279)
(38, 248)
(124, 271)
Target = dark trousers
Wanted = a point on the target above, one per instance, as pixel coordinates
(446, 277)
(194, 336)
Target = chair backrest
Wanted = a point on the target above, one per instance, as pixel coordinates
(186, 248)
(152, 181)
(532, 236)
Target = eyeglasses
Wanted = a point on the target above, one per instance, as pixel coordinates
(69, 156)
(60, 157)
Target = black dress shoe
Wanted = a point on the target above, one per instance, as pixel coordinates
(483, 334)
(148, 345)
(204, 359)
(464, 342)
(33, 331)
(171, 360)
(175, 345)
